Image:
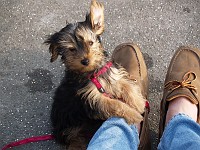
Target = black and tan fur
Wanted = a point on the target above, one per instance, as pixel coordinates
(79, 108)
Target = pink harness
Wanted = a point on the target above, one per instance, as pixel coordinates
(94, 77)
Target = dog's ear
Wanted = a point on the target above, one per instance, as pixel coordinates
(54, 52)
(97, 17)
(53, 48)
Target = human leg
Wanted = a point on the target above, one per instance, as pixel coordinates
(181, 131)
(131, 58)
(180, 103)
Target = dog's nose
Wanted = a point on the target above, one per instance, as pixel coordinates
(85, 61)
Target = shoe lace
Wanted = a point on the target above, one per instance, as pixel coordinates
(186, 82)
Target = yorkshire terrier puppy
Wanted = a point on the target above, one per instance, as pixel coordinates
(94, 87)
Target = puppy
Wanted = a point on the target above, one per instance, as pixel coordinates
(94, 87)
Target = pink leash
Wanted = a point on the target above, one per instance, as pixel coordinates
(29, 140)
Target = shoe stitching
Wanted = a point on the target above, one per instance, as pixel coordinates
(127, 44)
(174, 59)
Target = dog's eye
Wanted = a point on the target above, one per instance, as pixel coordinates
(90, 43)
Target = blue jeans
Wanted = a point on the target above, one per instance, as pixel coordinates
(115, 134)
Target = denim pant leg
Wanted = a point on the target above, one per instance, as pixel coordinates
(115, 134)
(181, 133)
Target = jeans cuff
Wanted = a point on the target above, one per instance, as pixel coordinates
(174, 118)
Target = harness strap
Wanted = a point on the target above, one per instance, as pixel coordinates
(93, 77)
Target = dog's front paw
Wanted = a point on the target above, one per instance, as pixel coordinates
(133, 119)
(132, 116)
(141, 109)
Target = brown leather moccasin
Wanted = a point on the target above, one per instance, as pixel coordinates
(130, 57)
(182, 80)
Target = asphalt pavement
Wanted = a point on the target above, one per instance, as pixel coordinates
(28, 79)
